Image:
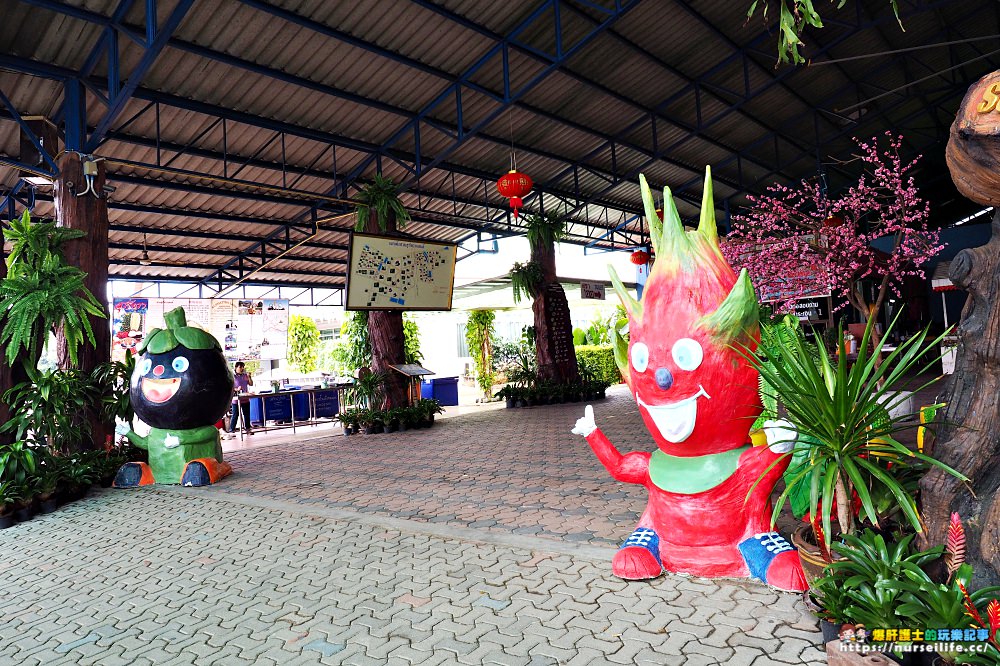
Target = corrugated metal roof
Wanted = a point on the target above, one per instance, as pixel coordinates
(312, 88)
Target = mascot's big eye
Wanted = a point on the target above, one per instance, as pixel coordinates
(687, 354)
(640, 356)
(145, 366)
(180, 364)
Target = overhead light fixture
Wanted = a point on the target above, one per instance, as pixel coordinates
(144, 259)
(37, 181)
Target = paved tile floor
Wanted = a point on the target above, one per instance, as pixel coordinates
(480, 541)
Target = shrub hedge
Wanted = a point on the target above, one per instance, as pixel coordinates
(601, 359)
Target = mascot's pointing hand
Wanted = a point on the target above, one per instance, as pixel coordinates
(121, 426)
(781, 435)
(585, 425)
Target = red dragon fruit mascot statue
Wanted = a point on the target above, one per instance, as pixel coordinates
(698, 396)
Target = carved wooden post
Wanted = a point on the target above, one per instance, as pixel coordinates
(971, 440)
(89, 213)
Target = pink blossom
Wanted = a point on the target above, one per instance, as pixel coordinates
(795, 230)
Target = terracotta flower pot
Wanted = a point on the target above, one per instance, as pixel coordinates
(812, 560)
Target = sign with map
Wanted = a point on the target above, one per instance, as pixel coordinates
(247, 329)
(399, 274)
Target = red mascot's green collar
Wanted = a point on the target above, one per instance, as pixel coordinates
(691, 475)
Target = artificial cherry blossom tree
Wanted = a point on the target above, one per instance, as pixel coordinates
(801, 231)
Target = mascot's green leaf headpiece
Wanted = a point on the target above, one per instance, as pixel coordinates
(177, 332)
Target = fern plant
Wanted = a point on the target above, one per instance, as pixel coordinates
(43, 293)
(545, 229)
(381, 198)
(525, 279)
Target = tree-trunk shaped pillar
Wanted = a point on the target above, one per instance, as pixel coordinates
(554, 350)
(970, 439)
(80, 203)
(385, 333)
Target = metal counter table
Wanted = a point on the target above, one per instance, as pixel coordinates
(287, 406)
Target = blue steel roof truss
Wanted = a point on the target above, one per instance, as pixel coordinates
(562, 192)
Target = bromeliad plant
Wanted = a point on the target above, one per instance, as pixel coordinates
(841, 414)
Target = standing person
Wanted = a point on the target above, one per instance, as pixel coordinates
(242, 381)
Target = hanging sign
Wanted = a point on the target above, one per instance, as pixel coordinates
(592, 290)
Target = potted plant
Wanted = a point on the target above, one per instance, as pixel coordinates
(349, 420)
(860, 587)
(52, 409)
(840, 415)
(76, 478)
(390, 419)
(9, 494)
(410, 418)
(366, 421)
(47, 483)
(428, 408)
(18, 462)
(828, 601)
(25, 504)
(111, 383)
(507, 395)
(368, 391)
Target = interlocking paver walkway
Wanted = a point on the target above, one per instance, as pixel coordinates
(377, 550)
(518, 471)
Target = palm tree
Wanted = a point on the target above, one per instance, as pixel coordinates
(380, 210)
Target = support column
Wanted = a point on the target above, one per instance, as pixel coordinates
(6, 381)
(88, 213)
(554, 352)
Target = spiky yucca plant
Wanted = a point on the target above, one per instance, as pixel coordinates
(841, 414)
(42, 293)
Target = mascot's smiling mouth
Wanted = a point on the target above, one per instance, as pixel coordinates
(675, 420)
(160, 390)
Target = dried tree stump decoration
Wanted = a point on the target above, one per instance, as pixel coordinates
(970, 442)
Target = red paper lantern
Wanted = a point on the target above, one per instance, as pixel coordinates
(514, 185)
(639, 257)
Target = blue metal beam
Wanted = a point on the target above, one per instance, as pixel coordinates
(264, 70)
(75, 114)
(35, 141)
(763, 140)
(156, 40)
(452, 93)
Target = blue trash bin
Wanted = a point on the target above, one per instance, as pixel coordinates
(445, 390)
(426, 389)
(300, 405)
(327, 403)
(277, 408)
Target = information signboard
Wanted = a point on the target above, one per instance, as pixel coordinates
(247, 329)
(399, 274)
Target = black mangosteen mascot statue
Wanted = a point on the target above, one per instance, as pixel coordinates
(181, 387)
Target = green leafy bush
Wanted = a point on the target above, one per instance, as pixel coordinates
(303, 343)
(411, 341)
(599, 362)
(479, 334)
(52, 409)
